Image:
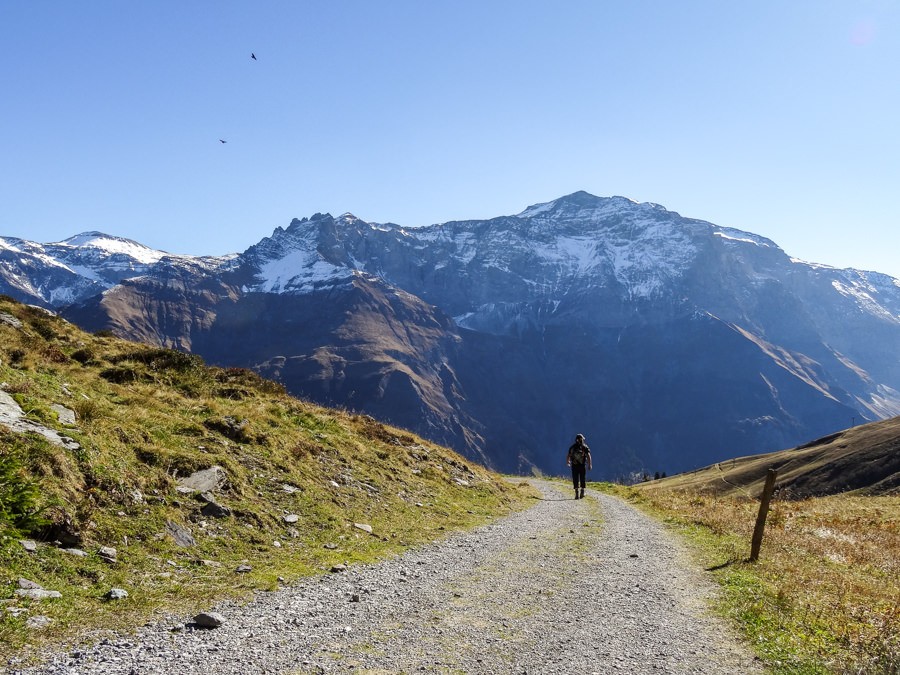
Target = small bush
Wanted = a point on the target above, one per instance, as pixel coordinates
(86, 410)
(83, 356)
(54, 354)
(162, 359)
(43, 328)
(248, 378)
(23, 387)
(234, 429)
(120, 375)
(19, 493)
(16, 356)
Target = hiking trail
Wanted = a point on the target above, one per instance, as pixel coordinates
(586, 586)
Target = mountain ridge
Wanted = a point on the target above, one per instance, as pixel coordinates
(604, 315)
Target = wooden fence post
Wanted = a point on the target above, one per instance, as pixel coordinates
(765, 498)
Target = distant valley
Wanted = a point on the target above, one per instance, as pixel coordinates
(670, 342)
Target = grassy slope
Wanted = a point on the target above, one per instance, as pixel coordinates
(825, 595)
(864, 458)
(147, 417)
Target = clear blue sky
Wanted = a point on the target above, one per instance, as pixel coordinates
(777, 117)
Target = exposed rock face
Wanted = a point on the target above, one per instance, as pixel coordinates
(669, 342)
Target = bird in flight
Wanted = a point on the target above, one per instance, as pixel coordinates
(253, 56)
(221, 141)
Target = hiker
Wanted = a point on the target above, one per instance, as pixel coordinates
(579, 458)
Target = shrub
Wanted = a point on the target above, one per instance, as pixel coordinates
(86, 409)
(162, 359)
(19, 493)
(43, 328)
(16, 356)
(120, 375)
(84, 356)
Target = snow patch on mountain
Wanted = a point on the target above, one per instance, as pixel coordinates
(114, 246)
(743, 237)
(862, 294)
(297, 272)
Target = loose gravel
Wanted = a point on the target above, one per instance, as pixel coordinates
(586, 586)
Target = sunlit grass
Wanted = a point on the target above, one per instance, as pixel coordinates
(824, 596)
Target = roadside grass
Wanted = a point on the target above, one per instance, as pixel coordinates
(824, 596)
(147, 417)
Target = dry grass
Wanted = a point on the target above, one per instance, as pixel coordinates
(825, 594)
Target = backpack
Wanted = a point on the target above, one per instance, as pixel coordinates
(578, 453)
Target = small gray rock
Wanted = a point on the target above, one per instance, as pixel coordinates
(75, 551)
(38, 622)
(291, 518)
(180, 534)
(37, 593)
(213, 509)
(209, 619)
(29, 545)
(116, 594)
(65, 415)
(363, 526)
(108, 553)
(243, 568)
(28, 583)
(206, 480)
(338, 568)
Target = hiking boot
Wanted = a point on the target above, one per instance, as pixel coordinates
(576, 493)
(582, 493)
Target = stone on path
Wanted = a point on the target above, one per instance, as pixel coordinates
(209, 619)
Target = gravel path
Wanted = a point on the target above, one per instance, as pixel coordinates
(588, 586)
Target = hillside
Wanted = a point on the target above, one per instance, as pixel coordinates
(864, 460)
(104, 445)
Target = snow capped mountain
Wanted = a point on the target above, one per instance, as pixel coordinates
(673, 341)
(65, 272)
(103, 246)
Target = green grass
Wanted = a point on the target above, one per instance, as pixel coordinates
(147, 417)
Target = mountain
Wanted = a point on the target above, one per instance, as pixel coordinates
(58, 274)
(669, 342)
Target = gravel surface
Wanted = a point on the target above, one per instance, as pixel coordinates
(587, 586)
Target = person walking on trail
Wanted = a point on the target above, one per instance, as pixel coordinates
(579, 458)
